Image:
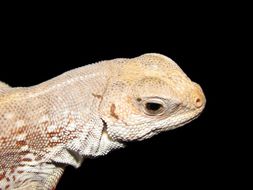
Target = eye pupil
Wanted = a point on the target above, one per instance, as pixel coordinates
(153, 107)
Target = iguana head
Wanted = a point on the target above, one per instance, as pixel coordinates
(147, 95)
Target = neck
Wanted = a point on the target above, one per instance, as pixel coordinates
(72, 101)
(76, 96)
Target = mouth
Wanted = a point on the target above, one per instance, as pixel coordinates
(167, 128)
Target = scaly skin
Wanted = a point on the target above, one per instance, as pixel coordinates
(88, 112)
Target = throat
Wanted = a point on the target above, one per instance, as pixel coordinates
(107, 144)
(96, 143)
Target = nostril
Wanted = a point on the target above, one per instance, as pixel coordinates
(198, 99)
(198, 102)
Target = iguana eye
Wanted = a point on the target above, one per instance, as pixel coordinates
(153, 108)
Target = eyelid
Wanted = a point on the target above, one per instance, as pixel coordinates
(169, 106)
(144, 101)
(154, 100)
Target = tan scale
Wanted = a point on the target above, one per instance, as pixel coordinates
(87, 112)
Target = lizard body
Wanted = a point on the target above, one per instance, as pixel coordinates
(87, 112)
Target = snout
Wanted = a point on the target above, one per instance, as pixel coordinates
(198, 97)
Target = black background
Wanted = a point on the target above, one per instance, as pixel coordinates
(200, 155)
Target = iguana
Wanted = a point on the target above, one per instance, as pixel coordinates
(87, 112)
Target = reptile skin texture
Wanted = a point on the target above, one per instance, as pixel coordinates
(87, 112)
